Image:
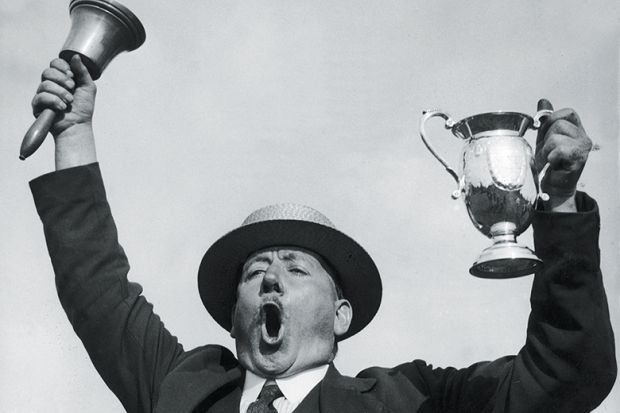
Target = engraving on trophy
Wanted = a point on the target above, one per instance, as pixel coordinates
(507, 162)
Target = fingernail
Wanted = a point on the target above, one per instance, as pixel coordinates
(69, 98)
(62, 105)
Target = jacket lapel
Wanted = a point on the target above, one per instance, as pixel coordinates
(341, 394)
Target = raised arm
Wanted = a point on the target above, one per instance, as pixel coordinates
(568, 361)
(126, 341)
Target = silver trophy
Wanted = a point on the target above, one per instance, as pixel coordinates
(499, 184)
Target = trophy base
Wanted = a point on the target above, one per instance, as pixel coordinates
(506, 260)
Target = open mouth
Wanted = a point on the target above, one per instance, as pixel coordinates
(271, 323)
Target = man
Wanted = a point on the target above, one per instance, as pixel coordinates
(288, 286)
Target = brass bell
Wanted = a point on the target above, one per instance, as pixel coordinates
(100, 30)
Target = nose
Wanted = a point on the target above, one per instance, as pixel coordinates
(271, 282)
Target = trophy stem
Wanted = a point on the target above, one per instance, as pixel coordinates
(505, 258)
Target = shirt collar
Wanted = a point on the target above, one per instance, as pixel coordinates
(295, 388)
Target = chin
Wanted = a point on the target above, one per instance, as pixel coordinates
(265, 360)
(270, 366)
(277, 356)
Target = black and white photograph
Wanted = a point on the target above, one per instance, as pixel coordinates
(309, 206)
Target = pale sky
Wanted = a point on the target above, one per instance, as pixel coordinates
(232, 105)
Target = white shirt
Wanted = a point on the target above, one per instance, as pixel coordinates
(294, 388)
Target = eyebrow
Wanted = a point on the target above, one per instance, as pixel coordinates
(265, 257)
(291, 256)
(257, 258)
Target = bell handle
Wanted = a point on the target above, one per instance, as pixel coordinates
(426, 115)
(36, 133)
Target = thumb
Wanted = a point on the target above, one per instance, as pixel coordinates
(543, 104)
(82, 75)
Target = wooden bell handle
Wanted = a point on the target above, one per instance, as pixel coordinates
(36, 133)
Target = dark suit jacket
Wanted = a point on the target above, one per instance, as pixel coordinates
(566, 365)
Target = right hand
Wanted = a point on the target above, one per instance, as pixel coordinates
(68, 89)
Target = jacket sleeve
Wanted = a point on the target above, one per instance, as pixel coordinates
(568, 361)
(126, 341)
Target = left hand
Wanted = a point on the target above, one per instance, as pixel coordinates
(563, 142)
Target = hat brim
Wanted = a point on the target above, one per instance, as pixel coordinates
(357, 274)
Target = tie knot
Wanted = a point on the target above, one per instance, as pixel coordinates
(269, 393)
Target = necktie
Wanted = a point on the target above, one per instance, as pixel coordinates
(267, 395)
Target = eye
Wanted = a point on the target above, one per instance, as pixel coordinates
(298, 271)
(254, 272)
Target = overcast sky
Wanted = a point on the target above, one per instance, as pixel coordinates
(233, 105)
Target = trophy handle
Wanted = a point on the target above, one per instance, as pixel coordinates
(542, 195)
(538, 117)
(544, 109)
(426, 115)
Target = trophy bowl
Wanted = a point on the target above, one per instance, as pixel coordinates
(499, 184)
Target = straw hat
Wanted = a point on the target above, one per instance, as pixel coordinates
(289, 225)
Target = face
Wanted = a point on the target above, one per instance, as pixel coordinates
(287, 314)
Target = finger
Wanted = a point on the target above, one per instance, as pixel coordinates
(567, 114)
(551, 142)
(567, 158)
(47, 100)
(55, 89)
(82, 76)
(60, 64)
(566, 128)
(563, 152)
(562, 117)
(58, 77)
(544, 104)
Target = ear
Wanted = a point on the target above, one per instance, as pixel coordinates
(343, 317)
(232, 321)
